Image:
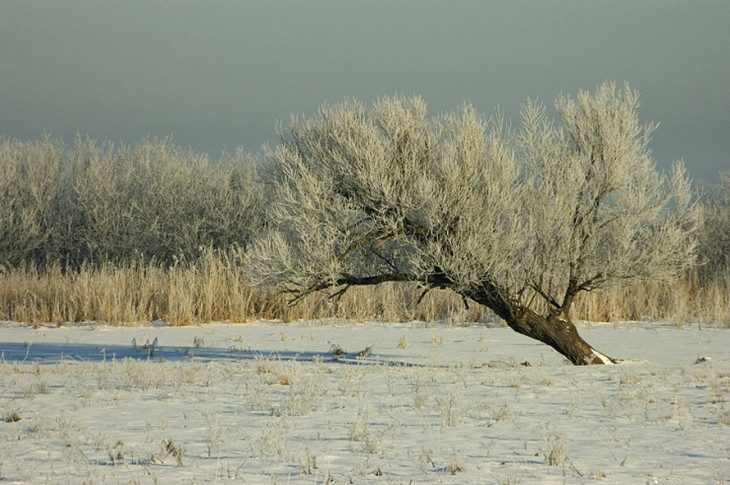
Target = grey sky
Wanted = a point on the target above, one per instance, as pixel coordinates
(220, 73)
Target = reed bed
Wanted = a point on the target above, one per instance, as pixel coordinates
(214, 288)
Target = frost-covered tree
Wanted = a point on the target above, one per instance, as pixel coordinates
(519, 220)
(714, 248)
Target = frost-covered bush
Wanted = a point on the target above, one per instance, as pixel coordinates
(157, 200)
(715, 234)
(98, 203)
(31, 175)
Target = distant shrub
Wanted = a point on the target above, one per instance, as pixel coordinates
(100, 203)
(715, 237)
(30, 182)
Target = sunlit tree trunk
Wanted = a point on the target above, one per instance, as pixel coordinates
(555, 329)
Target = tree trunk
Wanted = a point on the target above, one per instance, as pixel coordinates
(557, 331)
(560, 334)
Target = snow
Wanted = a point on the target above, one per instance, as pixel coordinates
(267, 402)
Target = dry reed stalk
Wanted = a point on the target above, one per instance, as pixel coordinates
(214, 288)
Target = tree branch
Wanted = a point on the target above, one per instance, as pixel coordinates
(547, 297)
(432, 280)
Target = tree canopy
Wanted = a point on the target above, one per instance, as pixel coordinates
(518, 218)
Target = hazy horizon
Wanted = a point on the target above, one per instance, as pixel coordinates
(218, 75)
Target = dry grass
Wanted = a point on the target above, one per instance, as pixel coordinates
(689, 300)
(214, 288)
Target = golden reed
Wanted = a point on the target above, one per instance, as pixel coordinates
(214, 288)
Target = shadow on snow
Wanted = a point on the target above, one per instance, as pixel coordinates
(52, 353)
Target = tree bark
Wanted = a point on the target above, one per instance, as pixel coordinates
(560, 334)
(555, 330)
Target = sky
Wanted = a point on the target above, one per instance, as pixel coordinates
(221, 74)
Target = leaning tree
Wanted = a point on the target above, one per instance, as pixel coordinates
(520, 219)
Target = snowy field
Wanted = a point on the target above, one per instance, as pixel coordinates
(272, 403)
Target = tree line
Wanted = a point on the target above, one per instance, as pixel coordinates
(521, 220)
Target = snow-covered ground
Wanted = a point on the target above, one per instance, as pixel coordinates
(268, 403)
